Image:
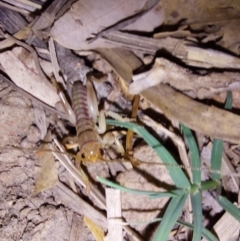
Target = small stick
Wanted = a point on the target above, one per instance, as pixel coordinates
(129, 135)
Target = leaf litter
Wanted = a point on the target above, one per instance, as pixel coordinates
(189, 49)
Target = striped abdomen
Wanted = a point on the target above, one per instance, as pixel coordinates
(89, 141)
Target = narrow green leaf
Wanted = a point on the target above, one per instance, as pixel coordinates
(229, 207)
(194, 154)
(216, 159)
(170, 217)
(205, 233)
(135, 191)
(228, 104)
(175, 192)
(177, 174)
(196, 200)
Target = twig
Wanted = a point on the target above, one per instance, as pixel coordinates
(71, 200)
(14, 8)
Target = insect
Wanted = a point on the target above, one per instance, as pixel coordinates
(85, 109)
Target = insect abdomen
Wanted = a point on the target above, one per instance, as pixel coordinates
(88, 139)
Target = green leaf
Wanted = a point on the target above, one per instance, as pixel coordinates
(196, 200)
(170, 217)
(194, 154)
(177, 174)
(228, 104)
(135, 191)
(216, 159)
(229, 207)
(205, 233)
(210, 184)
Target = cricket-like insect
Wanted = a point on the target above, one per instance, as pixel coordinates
(85, 108)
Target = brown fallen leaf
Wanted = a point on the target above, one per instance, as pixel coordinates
(123, 62)
(46, 169)
(88, 17)
(96, 231)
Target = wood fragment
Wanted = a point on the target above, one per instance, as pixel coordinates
(17, 21)
(227, 228)
(196, 86)
(16, 9)
(114, 214)
(181, 49)
(209, 120)
(25, 4)
(129, 136)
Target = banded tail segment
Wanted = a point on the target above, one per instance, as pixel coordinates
(85, 125)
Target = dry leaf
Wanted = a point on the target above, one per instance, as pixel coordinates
(46, 169)
(96, 231)
(123, 62)
(218, 17)
(21, 34)
(89, 17)
(19, 65)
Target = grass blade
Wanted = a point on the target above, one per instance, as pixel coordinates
(135, 191)
(196, 199)
(170, 217)
(228, 104)
(229, 207)
(205, 233)
(216, 157)
(177, 174)
(194, 155)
